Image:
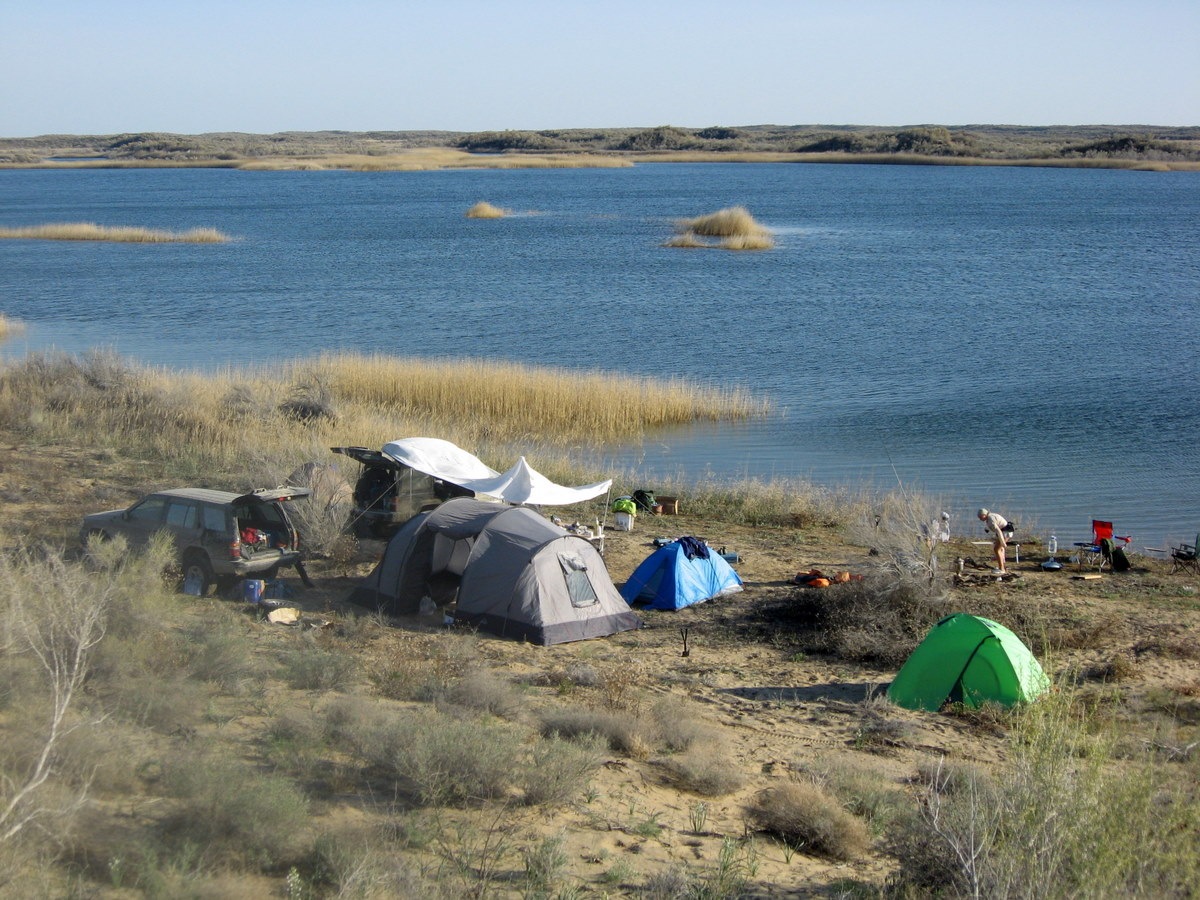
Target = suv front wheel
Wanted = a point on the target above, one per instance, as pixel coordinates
(197, 574)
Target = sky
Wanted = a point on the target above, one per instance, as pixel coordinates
(264, 66)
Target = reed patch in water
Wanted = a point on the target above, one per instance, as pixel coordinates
(89, 231)
(732, 228)
(485, 210)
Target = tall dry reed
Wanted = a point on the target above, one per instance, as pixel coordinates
(9, 326)
(248, 422)
(89, 231)
(512, 401)
(732, 228)
(485, 210)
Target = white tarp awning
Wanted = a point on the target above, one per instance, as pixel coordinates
(524, 484)
(520, 484)
(438, 458)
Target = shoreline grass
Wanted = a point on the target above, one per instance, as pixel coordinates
(89, 231)
(256, 424)
(10, 326)
(432, 158)
(423, 161)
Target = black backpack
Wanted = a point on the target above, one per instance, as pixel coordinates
(645, 500)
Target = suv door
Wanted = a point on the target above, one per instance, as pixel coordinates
(183, 521)
(216, 533)
(143, 519)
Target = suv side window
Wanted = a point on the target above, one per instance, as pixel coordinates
(149, 510)
(181, 515)
(214, 518)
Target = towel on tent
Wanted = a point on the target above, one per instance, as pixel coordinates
(693, 547)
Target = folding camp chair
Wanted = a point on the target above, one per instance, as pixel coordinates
(1186, 557)
(1096, 553)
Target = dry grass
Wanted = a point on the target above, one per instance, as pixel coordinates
(485, 210)
(732, 228)
(808, 819)
(89, 231)
(518, 400)
(432, 158)
(9, 327)
(198, 422)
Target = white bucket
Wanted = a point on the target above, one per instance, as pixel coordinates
(624, 521)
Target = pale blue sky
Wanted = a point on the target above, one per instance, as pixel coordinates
(110, 66)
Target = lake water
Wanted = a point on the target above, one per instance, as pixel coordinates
(1023, 339)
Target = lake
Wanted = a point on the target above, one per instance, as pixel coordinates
(1018, 338)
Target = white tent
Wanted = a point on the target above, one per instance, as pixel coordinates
(523, 484)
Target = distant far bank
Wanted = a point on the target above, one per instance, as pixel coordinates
(1142, 147)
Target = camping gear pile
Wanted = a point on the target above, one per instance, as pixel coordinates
(624, 513)
(815, 578)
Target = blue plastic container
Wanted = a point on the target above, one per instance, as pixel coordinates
(252, 589)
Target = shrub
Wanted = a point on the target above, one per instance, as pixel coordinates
(559, 770)
(879, 619)
(663, 137)
(861, 790)
(441, 760)
(806, 818)
(424, 670)
(706, 769)
(229, 809)
(1097, 828)
(545, 864)
(623, 732)
(52, 618)
(309, 666)
(483, 690)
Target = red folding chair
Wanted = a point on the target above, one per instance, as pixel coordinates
(1094, 553)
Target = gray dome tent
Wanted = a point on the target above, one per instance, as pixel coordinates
(518, 575)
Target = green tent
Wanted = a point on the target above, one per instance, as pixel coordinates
(969, 660)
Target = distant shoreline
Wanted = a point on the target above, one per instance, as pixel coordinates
(1131, 147)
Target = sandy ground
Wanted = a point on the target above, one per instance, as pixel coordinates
(777, 709)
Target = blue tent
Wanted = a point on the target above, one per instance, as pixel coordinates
(675, 576)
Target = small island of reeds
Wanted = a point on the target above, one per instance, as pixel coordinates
(485, 210)
(732, 228)
(89, 231)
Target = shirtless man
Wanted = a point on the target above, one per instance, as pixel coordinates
(996, 523)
